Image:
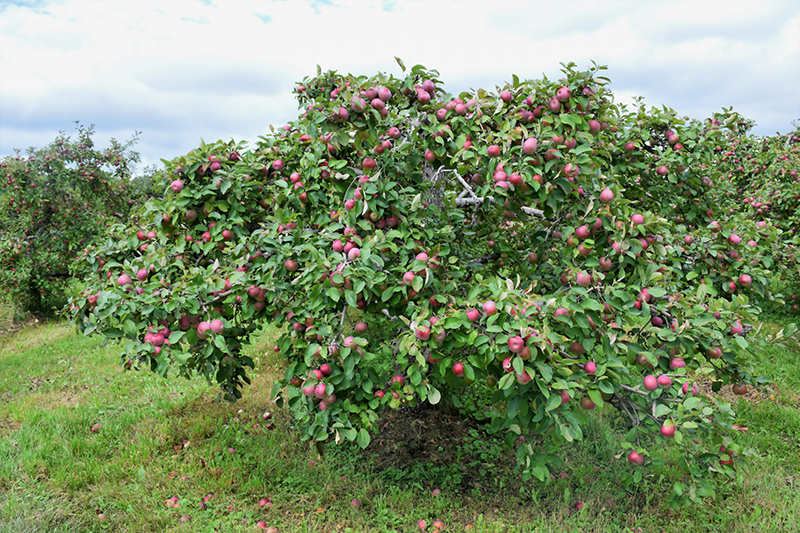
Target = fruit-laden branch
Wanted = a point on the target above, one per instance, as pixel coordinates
(478, 200)
(473, 198)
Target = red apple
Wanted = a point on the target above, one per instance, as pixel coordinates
(635, 458)
(516, 344)
(423, 333)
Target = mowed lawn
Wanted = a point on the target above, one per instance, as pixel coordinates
(87, 447)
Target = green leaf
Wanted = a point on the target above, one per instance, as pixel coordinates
(434, 396)
(594, 395)
(512, 409)
(544, 370)
(657, 292)
(553, 402)
(333, 294)
(363, 439)
(176, 336)
(691, 403)
(661, 410)
(219, 342)
(129, 327)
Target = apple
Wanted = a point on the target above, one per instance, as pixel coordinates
(563, 94)
(736, 328)
(668, 430)
(676, 363)
(664, 381)
(493, 151)
(506, 96)
(740, 389)
(473, 315)
(583, 232)
(202, 330)
(650, 382)
(606, 196)
(587, 403)
(745, 280)
(216, 326)
(290, 265)
(516, 344)
(319, 390)
(590, 368)
(176, 186)
(637, 219)
(564, 397)
(123, 280)
(561, 311)
(458, 370)
(524, 378)
(734, 239)
(423, 333)
(489, 308)
(635, 458)
(714, 352)
(530, 146)
(685, 388)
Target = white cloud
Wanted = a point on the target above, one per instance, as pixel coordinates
(179, 70)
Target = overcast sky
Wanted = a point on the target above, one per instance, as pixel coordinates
(182, 70)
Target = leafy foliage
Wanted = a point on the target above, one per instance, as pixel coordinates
(528, 253)
(53, 204)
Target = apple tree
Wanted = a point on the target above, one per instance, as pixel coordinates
(759, 180)
(527, 253)
(55, 202)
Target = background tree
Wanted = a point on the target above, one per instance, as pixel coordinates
(53, 204)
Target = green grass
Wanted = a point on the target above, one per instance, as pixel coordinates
(56, 475)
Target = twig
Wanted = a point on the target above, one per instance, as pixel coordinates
(634, 420)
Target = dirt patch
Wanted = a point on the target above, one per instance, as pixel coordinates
(54, 399)
(428, 433)
(8, 426)
(753, 395)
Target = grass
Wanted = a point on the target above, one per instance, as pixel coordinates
(157, 439)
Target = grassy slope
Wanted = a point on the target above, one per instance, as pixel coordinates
(58, 475)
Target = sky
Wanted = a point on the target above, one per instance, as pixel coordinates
(179, 71)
